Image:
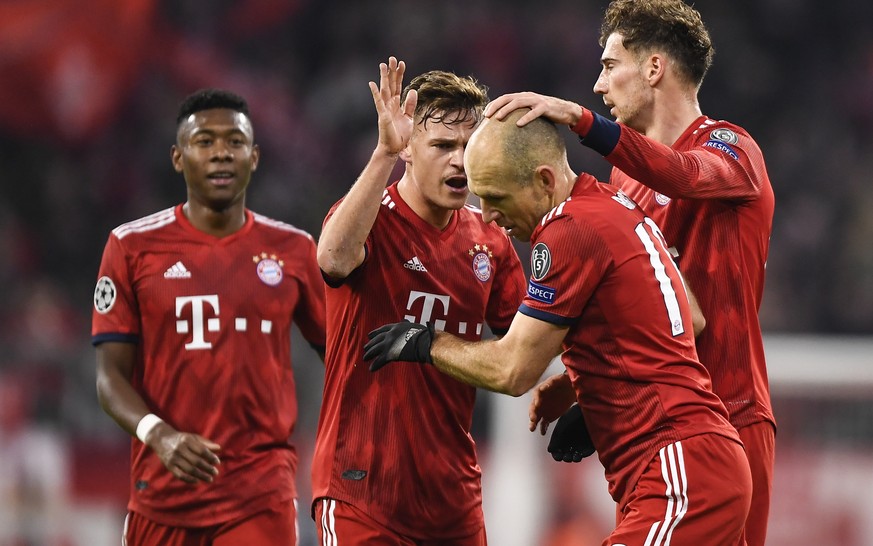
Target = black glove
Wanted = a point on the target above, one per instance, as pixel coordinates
(405, 341)
(570, 441)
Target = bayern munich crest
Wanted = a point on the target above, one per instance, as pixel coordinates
(481, 261)
(269, 268)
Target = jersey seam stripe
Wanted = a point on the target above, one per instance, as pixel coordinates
(261, 219)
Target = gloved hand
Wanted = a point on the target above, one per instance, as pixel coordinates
(405, 341)
(570, 441)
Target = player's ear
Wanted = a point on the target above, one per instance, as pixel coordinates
(544, 175)
(256, 156)
(655, 67)
(176, 158)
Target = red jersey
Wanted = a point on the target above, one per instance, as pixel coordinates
(711, 194)
(600, 266)
(212, 320)
(396, 444)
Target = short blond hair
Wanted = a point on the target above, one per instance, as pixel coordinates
(445, 97)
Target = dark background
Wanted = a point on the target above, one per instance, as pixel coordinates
(89, 93)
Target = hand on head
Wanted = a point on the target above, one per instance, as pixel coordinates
(559, 111)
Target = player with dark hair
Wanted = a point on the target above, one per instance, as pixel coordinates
(605, 294)
(704, 181)
(394, 459)
(192, 322)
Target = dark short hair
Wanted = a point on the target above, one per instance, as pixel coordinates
(672, 25)
(445, 97)
(207, 99)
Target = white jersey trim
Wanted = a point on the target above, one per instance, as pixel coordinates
(261, 219)
(147, 223)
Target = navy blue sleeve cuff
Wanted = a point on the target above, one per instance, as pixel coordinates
(123, 338)
(545, 317)
(603, 135)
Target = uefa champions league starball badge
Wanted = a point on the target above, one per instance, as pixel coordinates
(481, 261)
(269, 268)
(104, 295)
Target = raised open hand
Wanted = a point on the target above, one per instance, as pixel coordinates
(395, 119)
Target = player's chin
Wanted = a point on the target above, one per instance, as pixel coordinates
(456, 199)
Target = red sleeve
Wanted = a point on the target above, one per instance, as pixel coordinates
(115, 316)
(310, 312)
(722, 161)
(568, 261)
(710, 169)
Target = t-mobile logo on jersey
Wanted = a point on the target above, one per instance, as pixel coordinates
(427, 311)
(199, 324)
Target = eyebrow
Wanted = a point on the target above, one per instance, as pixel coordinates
(443, 140)
(491, 195)
(210, 131)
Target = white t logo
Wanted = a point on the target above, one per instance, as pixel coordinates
(198, 340)
(427, 308)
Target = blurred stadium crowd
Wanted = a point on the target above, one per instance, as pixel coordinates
(88, 100)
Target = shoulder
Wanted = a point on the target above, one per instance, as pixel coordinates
(267, 223)
(722, 134)
(594, 214)
(146, 224)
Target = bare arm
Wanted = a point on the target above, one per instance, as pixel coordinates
(190, 457)
(341, 245)
(509, 365)
(116, 395)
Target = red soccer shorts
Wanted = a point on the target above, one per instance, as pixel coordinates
(341, 524)
(760, 442)
(696, 491)
(272, 527)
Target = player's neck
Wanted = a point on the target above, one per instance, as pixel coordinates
(438, 217)
(671, 117)
(218, 223)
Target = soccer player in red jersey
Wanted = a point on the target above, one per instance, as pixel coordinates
(394, 459)
(704, 181)
(192, 321)
(605, 294)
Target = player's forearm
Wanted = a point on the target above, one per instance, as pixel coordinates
(491, 365)
(119, 400)
(341, 244)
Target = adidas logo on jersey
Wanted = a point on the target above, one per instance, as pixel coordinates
(177, 271)
(415, 265)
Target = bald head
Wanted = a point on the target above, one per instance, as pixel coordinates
(519, 173)
(511, 153)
